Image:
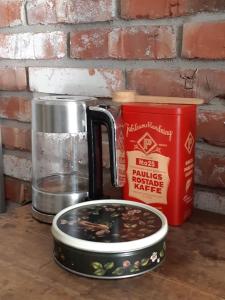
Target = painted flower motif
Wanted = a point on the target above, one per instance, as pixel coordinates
(137, 264)
(126, 264)
(154, 257)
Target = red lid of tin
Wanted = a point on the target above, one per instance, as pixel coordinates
(171, 109)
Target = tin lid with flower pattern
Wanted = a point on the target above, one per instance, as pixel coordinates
(109, 226)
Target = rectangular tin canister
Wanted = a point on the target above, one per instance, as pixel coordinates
(159, 156)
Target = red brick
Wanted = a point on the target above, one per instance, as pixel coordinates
(210, 83)
(211, 125)
(71, 11)
(142, 42)
(11, 13)
(18, 191)
(149, 9)
(204, 40)
(162, 82)
(15, 108)
(206, 83)
(152, 9)
(48, 45)
(210, 166)
(16, 138)
(13, 79)
(89, 44)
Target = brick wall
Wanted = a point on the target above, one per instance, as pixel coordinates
(93, 47)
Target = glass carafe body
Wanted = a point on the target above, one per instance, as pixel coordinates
(60, 162)
(59, 152)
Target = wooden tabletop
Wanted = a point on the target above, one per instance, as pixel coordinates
(194, 267)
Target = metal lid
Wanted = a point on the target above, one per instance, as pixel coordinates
(109, 226)
(60, 114)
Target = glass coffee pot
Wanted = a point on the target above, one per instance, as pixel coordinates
(62, 169)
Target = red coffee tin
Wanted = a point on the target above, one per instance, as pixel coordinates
(159, 147)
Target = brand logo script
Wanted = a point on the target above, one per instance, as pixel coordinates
(135, 127)
(146, 143)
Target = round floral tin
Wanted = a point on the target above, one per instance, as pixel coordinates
(109, 239)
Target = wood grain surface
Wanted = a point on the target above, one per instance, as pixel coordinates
(194, 267)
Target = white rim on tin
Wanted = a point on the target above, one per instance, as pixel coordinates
(100, 247)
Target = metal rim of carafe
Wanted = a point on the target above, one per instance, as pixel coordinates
(53, 203)
(60, 114)
(66, 98)
(42, 217)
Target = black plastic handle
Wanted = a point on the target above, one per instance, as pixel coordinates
(97, 116)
